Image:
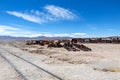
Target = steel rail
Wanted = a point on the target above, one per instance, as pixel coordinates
(14, 67)
(57, 77)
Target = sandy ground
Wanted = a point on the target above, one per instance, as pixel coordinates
(7, 72)
(102, 63)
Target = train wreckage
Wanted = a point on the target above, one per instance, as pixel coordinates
(67, 44)
(75, 44)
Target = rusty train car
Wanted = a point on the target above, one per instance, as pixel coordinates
(96, 40)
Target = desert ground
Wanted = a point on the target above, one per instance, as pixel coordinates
(102, 63)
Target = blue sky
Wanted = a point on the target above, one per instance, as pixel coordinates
(73, 18)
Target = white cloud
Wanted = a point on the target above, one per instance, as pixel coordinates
(11, 31)
(60, 12)
(26, 16)
(49, 13)
(17, 32)
(79, 34)
(3, 27)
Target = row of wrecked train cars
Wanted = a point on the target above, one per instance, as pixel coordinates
(67, 44)
(74, 44)
(97, 40)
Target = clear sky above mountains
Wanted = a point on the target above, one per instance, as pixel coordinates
(73, 18)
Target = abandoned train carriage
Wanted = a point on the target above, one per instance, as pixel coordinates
(96, 40)
(39, 42)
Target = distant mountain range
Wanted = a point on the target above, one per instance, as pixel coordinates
(32, 38)
(41, 38)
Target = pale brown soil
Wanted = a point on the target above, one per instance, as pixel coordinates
(102, 63)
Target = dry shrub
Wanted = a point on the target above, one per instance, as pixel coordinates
(91, 55)
(78, 62)
(36, 51)
(111, 69)
(51, 52)
(51, 61)
(63, 59)
(25, 49)
(40, 48)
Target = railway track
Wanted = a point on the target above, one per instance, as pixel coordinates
(27, 61)
(14, 67)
